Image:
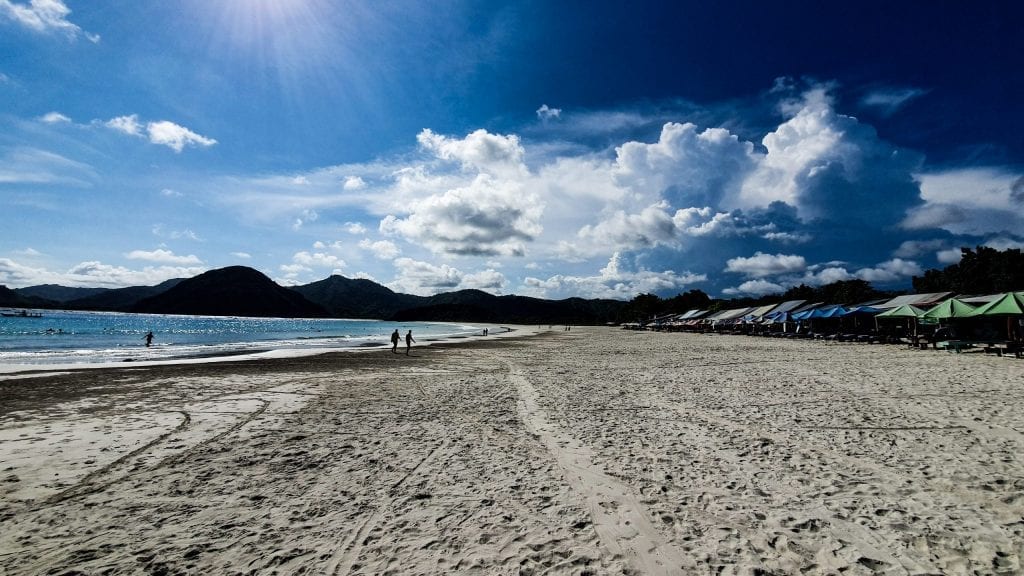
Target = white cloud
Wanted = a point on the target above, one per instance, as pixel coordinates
(888, 101)
(829, 165)
(310, 260)
(685, 166)
(186, 234)
(126, 124)
(545, 113)
(34, 166)
(44, 16)
(306, 217)
(621, 231)
(915, 248)
(612, 281)
(54, 117)
(174, 136)
(91, 274)
(381, 249)
(761, 264)
(424, 278)
(486, 217)
(163, 256)
(949, 256)
(169, 193)
(489, 280)
(890, 271)
(354, 183)
(354, 228)
(824, 276)
(479, 151)
(757, 287)
(242, 255)
(976, 201)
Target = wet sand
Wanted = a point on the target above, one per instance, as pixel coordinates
(595, 451)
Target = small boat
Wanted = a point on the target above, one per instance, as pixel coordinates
(21, 314)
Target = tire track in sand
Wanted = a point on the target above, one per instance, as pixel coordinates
(620, 520)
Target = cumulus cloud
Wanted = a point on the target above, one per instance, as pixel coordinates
(423, 278)
(480, 150)
(306, 217)
(317, 260)
(44, 16)
(685, 166)
(890, 271)
(381, 249)
(761, 264)
(91, 274)
(650, 227)
(757, 287)
(54, 118)
(974, 201)
(831, 166)
(545, 113)
(127, 124)
(242, 255)
(487, 217)
(615, 280)
(163, 132)
(354, 228)
(354, 183)
(489, 280)
(175, 137)
(915, 248)
(163, 256)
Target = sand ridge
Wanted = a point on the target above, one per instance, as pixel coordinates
(594, 451)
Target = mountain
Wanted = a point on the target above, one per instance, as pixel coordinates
(357, 298)
(478, 306)
(232, 291)
(349, 298)
(14, 299)
(59, 293)
(117, 299)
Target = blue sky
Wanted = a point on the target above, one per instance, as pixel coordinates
(551, 149)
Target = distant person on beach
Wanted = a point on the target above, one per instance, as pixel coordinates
(394, 341)
(408, 342)
(148, 338)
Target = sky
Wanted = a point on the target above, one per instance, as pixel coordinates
(594, 148)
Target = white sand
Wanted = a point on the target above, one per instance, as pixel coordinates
(594, 451)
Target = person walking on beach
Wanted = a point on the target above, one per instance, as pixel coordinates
(408, 342)
(394, 341)
(148, 338)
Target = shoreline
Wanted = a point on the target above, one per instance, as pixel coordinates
(596, 450)
(13, 370)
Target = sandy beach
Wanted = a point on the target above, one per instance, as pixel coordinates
(593, 451)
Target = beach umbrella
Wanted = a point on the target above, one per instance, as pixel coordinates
(905, 311)
(1010, 305)
(908, 311)
(951, 308)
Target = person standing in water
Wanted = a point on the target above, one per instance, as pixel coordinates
(408, 342)
(148, 338)
(394, 341)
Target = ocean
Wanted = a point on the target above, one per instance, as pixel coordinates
(63, 337)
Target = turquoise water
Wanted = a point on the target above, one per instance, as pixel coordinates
(60, 337)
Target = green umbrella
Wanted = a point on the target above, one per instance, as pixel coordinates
(1008, 304)
(951, 308)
